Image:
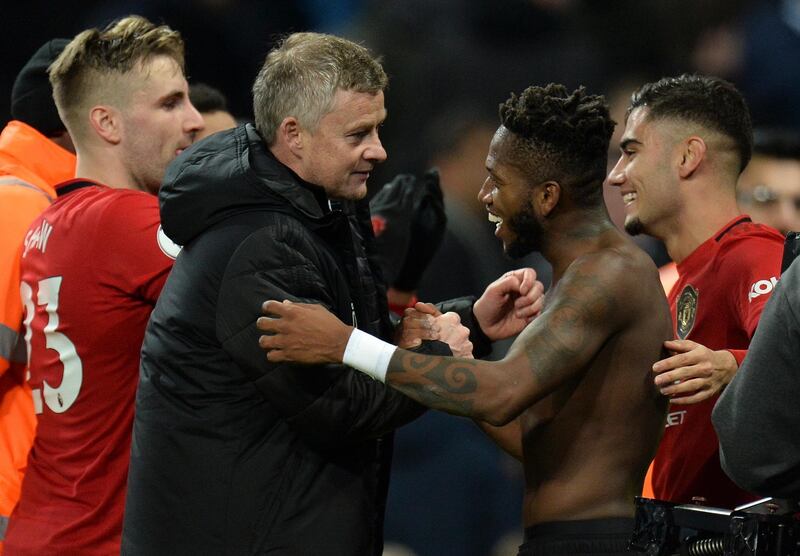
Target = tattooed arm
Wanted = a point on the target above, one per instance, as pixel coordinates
(582, 311)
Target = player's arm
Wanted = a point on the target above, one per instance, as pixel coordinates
(584, 309)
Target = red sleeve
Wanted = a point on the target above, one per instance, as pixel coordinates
(739, 355)
(140, 256)
(754, 267)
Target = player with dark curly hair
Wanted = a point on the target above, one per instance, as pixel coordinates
(573, 399)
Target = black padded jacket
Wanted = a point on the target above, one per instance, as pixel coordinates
(231, 454)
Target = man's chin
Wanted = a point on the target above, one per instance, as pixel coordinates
(634, 226)
(352, 193)
(518, 250)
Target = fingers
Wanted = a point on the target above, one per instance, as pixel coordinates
(699, 396)
(267, 324)
(688, 353)
(425, 308)
(531, 303)
(682, 387)
(272, 346)
(415, 327)
(273, 308)
(526, 277)
(449, 318)
(681, 346)
(682, 374)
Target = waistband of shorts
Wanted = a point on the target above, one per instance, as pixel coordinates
(582, 527)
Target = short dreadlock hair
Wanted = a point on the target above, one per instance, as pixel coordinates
(710, 102)
(560, 136)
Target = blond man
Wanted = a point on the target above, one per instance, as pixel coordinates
(93, 265)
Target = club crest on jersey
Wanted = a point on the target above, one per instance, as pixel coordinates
(687, 310)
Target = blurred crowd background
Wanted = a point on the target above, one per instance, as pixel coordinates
(451, 62)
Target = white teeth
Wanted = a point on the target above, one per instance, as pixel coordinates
(629, 198)
(495, 218)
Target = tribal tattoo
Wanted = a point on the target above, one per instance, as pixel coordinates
(561, 342)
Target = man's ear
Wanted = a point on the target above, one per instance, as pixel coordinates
(546, 196)
(693, 152)
(290, 133)
(106, 122)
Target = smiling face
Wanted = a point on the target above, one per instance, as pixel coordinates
(508, 199)
(645, 175)
(158, 120)
(340, 154)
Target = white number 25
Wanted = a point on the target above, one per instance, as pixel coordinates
(60, 398)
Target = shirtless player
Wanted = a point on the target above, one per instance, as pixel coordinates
(575, 395)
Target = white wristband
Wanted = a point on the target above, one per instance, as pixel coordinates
(368, 354)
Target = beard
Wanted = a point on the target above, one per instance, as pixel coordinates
(634, 226)
(529, 233)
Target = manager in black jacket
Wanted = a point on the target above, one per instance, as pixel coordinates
(232, 454)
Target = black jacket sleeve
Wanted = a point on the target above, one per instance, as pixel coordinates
(756, 418)
(327, 405)
(481, 344)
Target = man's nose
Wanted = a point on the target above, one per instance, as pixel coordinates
(375, 151)
(616, 176)
(484, 192)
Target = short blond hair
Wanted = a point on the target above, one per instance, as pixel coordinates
(87, 71)
(301, 75)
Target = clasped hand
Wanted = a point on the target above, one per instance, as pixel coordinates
(694, 373)
(509, 304)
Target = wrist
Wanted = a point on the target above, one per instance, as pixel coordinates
(477, 312)
(728, 363)
(368, 354)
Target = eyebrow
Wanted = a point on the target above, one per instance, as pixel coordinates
(364, 124)
(629, 141)
(177, 93)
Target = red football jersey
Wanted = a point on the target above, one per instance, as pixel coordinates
(717, 301)
(93, 265)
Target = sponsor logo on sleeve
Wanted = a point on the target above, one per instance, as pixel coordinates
(762, 287)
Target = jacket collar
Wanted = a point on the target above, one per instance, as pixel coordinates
(307, 198)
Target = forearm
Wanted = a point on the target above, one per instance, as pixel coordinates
(466, 387)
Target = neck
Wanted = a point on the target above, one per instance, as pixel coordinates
(569, 237)
(698, 220)
(104, 167)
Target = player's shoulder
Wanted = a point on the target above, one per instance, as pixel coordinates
(623, 261)
(751, 244)
(750, 235)
(124, 206)
(617, 272)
